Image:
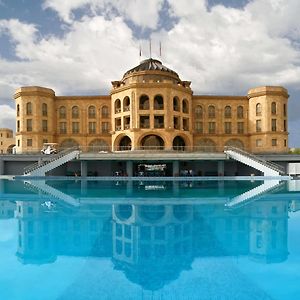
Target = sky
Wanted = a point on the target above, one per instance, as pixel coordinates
(77, 47)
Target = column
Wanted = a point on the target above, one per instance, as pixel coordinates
(176, 168)
(129, 168)
(221, 168)
(83, 168)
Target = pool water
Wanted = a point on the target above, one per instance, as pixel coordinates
(79, 239)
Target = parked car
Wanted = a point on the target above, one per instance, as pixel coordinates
(49, 148)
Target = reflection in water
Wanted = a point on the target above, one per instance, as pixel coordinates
(151, 243)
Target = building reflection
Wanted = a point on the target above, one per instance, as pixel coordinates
(152, 244)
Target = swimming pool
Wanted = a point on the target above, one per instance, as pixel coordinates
(90, 239)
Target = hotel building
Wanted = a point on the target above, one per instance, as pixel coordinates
(152, 108)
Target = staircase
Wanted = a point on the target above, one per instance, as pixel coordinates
(41, 168)
(268, 168)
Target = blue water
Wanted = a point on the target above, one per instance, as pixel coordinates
(149, 240)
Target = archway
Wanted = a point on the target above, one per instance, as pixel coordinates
(125, 143)
(178, 143)
(152, 142)
(206, 145)
(98, 145)
(10, 149)
(235, 143)
(68, 143)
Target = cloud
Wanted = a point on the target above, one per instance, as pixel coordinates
(140, 12)
(8, 116)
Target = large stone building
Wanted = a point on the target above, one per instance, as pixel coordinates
(152, 108)
(7, 140)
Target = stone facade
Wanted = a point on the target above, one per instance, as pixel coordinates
(152, 108)
(7, 141)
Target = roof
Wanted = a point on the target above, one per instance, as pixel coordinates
(150, 65)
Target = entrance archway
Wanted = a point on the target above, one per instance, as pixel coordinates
(152, 142)
(178, 143)
(125, 143)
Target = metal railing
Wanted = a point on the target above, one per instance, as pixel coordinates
(53, 157)
(256, 158)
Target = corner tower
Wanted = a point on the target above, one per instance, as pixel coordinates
(151, 109)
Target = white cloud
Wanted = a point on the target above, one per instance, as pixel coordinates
(8, 116)
(140, 12)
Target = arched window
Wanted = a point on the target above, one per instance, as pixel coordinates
(44, 109)
(75, 112)
(158, 102)
(104, 112)
(28, 108)
(206, 145)
(273, 108)
(176, 104)
(144, 102)
(126, 104)
(211, 111)
(92, 112)
(258, 109)
(227, 111)
(199, 112)
(185, 106)
(117, 106)
(240, 112)
(62, 112)
(18, 110)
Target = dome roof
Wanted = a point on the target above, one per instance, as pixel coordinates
(150, 65)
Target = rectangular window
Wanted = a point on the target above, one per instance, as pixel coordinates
(105, 127)
(211, 127)
(62, 127)
(285, 143)
(240, 127)
(259, 143)
(92, 127)
(18, 126)
(44, 125)
(29, 124)
(227, 127)
(284, 109)
(274, 142)
(185, 124)
(144, 122)
(199, 127)
(176, 121)
(29, 142)
(284, 125)
(75, 127)
(159, 122)
(258, 125)
(274, 124)
(18, 143)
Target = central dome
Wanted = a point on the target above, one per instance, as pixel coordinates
(151, 65)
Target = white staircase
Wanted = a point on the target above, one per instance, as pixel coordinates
(40, 169)
(268, 168)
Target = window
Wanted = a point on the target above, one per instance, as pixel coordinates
(92, 112)
(176, 104)
(29, 124)
(117, 106)
(259, 143)
(258, 109)
(159, 122)
(18, 110)
(284, 110)
(126, 104)
(158, 102)
(126, 122)
(258, 125)
(144, 102)
(227, 112)
(199, 112)
(105, 127)
(240, 127)
(274, 142)
(211, 111)
(18, 143)
(185, 106)
(62, 127)
(44, 125)
(240, 112)
(18, 126)
(273, 108)
(176, 122)
(44, 110)
(75, 112)
(274, 123)
(284, 125)
(28, 108)
(118, 124)
(227, 127)
(285, 143)
(199, 127)
(92, 127)
(29, 142)
(62, 112)
(185, 124)
(211, 127)
(75, 127)
(144, 122)
(104, 112)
